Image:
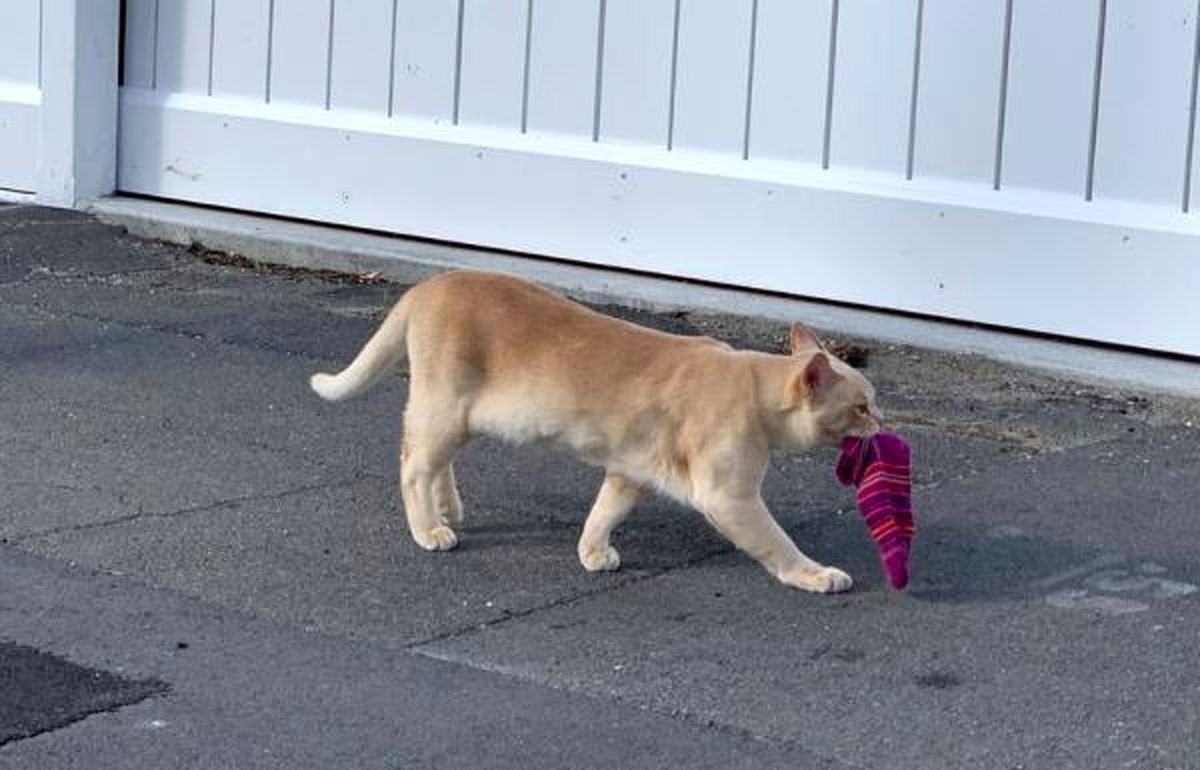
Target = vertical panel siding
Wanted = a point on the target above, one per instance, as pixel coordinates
(1050, 78)
(872, 94)
(562, 66)
(426, 32)
(787, 118)
(683, 73)
(182, 50)
(958, 95)
(361, 74)
(140, 32)
(493, 62)
(636, 81)
(1145, 95)
(240, 31)
(300, 52)
(712, 74)
(19, 42)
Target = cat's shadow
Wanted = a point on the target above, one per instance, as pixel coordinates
(659, 535)
(961, 563)
(951, 562)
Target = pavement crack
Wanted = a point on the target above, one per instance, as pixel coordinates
(725, 728)
(180, 332)
(205, 508)
(564, 601)
(46, 485)
(699, 720)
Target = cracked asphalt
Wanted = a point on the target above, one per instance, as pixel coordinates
(176, 507)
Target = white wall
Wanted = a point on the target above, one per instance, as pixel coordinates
(20, 92)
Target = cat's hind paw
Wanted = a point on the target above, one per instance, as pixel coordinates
(600, 560)
(436, 539)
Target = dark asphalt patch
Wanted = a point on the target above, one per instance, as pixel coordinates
(40, 692)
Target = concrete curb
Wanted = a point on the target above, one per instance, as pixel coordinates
(406, 260)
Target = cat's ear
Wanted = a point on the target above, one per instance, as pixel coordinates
(816, 377)
(802, 340)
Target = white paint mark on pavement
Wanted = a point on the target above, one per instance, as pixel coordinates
(1110, 590)
(1079, 599)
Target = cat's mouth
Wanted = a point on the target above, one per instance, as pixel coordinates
(870, 429)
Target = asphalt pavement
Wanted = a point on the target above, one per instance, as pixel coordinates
(203, 565)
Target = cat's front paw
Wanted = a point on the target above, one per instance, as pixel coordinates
(831, 580)
(825, 580)
(600, 560)
(436, 539)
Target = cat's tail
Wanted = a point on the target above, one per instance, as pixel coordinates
(380, 356)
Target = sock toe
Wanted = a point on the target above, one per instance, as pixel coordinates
(895, 566)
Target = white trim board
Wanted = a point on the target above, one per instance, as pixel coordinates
(315, 246)
(1032, 262)
(77, 134)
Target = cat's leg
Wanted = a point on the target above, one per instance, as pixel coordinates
(617, 497)
(424, 460)
(747, 523)
(446, 499)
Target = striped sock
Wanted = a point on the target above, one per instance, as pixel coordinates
(879, 467)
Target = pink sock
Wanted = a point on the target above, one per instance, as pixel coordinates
(879, 466)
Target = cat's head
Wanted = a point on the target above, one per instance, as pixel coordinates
(831, 399)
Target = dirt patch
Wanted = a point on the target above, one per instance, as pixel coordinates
(225, 259)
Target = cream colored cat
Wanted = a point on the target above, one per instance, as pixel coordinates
(689, 416)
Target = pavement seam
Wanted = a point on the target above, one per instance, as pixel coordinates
(680, 715)
(206, 508)
(565, 601)
(175, 332)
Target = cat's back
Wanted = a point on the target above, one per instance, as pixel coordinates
(510, 330)
(499, 306)
(469, 293)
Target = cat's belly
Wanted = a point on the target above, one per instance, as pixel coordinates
(523, 423)
(637, 456)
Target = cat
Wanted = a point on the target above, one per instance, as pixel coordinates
(688, 416)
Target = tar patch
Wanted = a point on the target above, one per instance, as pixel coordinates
(40, 692)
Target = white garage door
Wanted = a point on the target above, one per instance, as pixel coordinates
(1012, 162)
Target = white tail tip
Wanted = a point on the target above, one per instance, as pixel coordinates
(328, 386)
